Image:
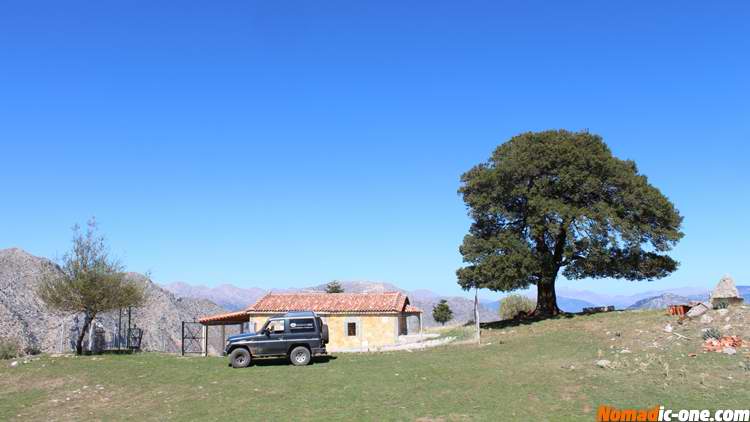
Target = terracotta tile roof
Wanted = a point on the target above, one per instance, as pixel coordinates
(331, 302)
(240, 316)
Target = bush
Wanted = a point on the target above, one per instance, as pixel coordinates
(513, 305)
(32, 350)
(8, 349)
(722, 304)
(713, 333)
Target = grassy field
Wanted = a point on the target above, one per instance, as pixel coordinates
(543, 370)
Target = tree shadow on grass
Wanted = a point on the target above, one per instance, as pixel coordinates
(516, 322)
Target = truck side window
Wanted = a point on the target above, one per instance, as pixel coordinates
(306, 325)
(276, 326)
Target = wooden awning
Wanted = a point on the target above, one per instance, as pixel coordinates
(226, 319)
(412, 310)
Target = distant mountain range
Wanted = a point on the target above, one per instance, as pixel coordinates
(235, 298)
(564, 303)
(665, 299)
(225, 295)
(625, 301)
(569, 300)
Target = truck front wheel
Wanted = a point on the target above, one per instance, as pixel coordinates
(240, 358)
(300, 356)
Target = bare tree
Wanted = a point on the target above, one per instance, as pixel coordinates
(92, 282)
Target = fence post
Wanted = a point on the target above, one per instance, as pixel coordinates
(205, 340)
(182, 342)
(127, 340)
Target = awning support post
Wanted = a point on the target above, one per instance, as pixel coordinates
(205, 340)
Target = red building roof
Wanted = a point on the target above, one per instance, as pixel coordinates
(326, 303)
(332, 302)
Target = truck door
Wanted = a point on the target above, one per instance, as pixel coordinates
(275, 343)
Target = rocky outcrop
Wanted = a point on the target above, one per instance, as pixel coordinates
(25, 318)
(726, 292)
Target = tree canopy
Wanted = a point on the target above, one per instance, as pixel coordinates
(442, 312)
(559, 200)
(91, 282)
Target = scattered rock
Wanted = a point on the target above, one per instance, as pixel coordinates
(705, 319)
(668, 328)
(14, 364)
(603, 363)
(729, 351)
(722, 312)
(697, 310)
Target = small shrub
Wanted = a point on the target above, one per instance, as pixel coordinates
(513, 305)
(8, 349)
(713, 333)
(722, 304)
(31, 350)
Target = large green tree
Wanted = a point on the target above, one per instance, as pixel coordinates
(559, 201)
(91, 281)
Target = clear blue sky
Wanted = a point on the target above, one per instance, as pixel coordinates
(288, 143)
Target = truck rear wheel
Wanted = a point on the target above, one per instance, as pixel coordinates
(240, 358)
(300, 356)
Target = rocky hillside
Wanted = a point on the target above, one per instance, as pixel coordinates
(25, 318)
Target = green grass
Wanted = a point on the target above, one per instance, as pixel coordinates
(544, 370)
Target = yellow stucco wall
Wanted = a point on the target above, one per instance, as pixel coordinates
(373, 331)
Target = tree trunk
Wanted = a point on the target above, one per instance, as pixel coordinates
(546, 299)
(79, 342)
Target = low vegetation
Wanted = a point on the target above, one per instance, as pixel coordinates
(9, 348)
(513, 305)
(523, 370)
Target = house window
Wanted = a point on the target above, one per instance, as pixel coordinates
(351, 329)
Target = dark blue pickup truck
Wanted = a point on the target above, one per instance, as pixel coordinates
(296, 335)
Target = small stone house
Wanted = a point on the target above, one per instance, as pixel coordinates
(726, 292)
(356, 321)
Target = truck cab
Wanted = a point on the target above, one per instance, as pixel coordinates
(297, 336)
